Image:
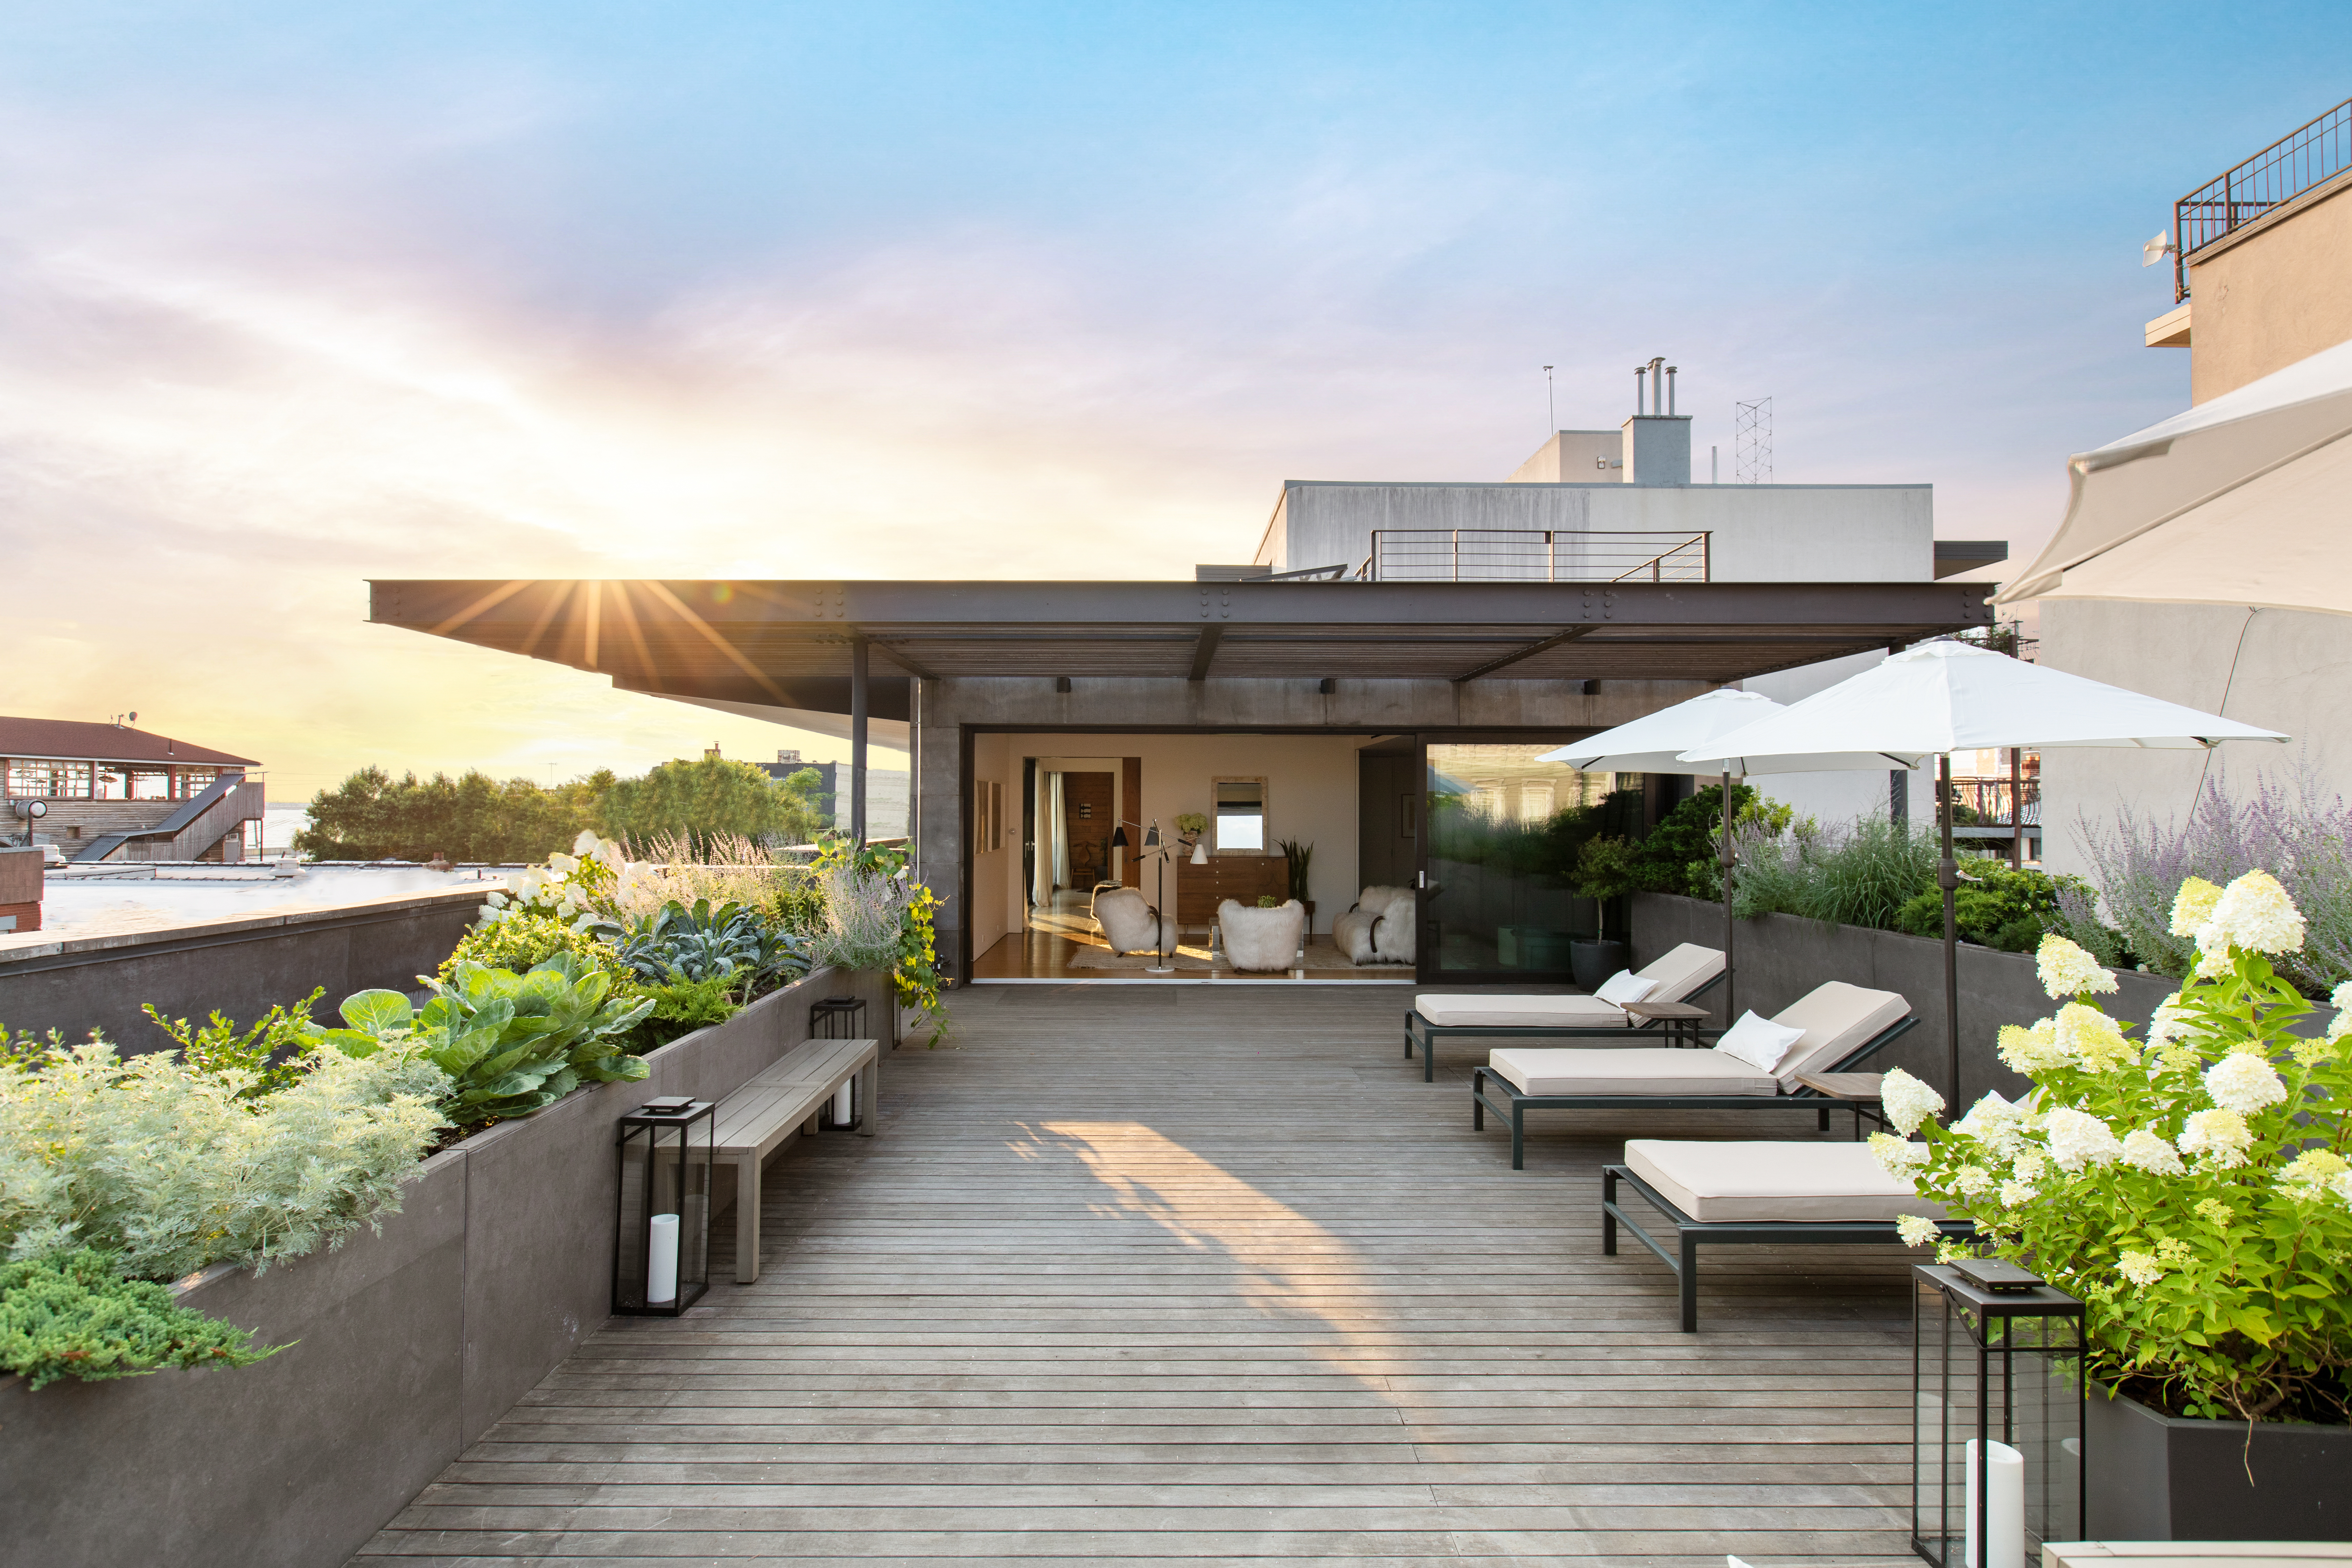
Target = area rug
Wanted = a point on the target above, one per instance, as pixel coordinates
(1193, 957)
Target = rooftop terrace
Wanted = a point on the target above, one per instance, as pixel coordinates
(1174, 1276)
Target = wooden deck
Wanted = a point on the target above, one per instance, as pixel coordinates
(1196, 1275)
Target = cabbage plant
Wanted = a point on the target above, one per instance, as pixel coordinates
(729, 942)
(2191, 1187)
(511, 1044)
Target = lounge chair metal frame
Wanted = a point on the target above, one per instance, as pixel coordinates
(1521, 1101)
(1694, 1234)
(1430, 1033)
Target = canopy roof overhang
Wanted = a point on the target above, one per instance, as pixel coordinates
(771, 646)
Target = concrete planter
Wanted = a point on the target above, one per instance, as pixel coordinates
(2163, 1478)
(411, 1343)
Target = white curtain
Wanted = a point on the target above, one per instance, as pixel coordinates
(1054, 836)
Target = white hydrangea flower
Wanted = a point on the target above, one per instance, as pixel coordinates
(2243, 1083)
(2078, 1139)
(2032, 1051)
(1917, 1230)
(2148, 1150)
(2088, 1035)
(2253, 913)
(1899, 1158)
(1906, 1100)
(2014, 1193)
(2341, 1000)
(2068, 970)
(2219, 1139)
(585, 843)
(2170, 1024)
(2028, 1165)
(562, 865)
(2193, 906)
(1973, 1181)
(2306, 1177)
(1993, 1121)
(2140, 1267)
(2342, 1187)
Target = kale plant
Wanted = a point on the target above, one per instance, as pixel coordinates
(511, 1044)
(730, 943)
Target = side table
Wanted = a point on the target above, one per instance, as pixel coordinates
(1678, 1020)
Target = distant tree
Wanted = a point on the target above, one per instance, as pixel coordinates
(706, 798)
(372, 815)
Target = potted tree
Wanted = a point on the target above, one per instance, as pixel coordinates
(2191, 1188)
(1299, 857)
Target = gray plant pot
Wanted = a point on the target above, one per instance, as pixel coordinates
(1593, 962)
(2166, 1478)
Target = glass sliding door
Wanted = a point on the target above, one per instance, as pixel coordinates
(1500, 835)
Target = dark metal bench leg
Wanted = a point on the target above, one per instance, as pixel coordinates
(1822, 1120)
(1518, 1136)
(1429, 1057)
(1477, 1103)
(1607, 1219)
(1689, 1282)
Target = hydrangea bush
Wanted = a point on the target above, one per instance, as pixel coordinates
(2191, 1187)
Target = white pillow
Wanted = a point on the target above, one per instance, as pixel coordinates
(1625, 986)
(1758, 1042)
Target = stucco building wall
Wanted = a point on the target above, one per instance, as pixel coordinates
(2271, 295)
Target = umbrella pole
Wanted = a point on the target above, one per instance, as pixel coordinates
(1947, 878)
(1730, 971)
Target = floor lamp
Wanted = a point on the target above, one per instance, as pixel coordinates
(1152, 847)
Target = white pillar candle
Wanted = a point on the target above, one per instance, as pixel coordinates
(2004, 1518)
(842, 1104)
(661, 1262)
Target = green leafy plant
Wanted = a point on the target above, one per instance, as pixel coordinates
(171, 1168)
(1267, 902)
(1679, 855)
(1300, 858)
(682, 1006)
(271, 1051)
(730, 944)
(2191, 1188)
(510, 1044)
(1191, 822)
(74, 1315)
(1996, 907)
(525, 940)
(877, 916)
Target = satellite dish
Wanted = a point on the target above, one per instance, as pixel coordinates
(2157, 250)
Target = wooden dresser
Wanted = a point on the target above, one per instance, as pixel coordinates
(1199, 889)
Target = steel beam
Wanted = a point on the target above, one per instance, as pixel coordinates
(1204, 651)
(1556, 640)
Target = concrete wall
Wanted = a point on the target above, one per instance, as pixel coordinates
(2293, 673)
(1762, 533)
(2270, 296)
(996, 898)
(1369, 707)
(1576, 457)
(1780, 958)
(407, 1345)
(243, 965)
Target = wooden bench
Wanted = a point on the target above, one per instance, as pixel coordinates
(753, 1120)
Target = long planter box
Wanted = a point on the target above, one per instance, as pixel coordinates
(405, 1345)
(2163, 1478)
(1779, 958)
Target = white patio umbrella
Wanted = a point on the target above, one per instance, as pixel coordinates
(1946, 697)
(1655, 742)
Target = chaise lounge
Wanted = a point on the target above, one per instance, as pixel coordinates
(1758, 1195)
(1832, 1028)
(1677, 975)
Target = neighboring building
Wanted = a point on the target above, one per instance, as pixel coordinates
(112, 793)
(2205, 559)
(1350, 688)
(2260, 280)
(886, 812)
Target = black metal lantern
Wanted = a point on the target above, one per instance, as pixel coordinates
(1996, 1400)
(839, 1018)
(661, 1244)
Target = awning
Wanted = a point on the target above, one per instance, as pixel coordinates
(777, 648)
(2240, 501)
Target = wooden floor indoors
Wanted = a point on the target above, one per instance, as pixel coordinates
(1196, 1275)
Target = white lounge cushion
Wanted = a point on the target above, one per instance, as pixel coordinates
(1758, 1042)
(1837, 1019)
(1679, 971)
(1658, 1070)
(1717, 1182)
(1625, 986)
(1519, 1012)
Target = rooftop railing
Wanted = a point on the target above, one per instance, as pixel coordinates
(1531, 555)
(2288, 169)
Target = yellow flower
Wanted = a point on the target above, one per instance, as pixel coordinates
(2193, 906)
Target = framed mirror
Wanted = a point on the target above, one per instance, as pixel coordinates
(1238, 825)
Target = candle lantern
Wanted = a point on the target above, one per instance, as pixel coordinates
(661, 1243)
(838, 1018)
(1996, 1415)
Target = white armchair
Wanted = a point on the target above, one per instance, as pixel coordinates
(1263, 939)
(1131, 924)
(1379, 929)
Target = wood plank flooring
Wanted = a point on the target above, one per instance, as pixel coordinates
(1190, 1276)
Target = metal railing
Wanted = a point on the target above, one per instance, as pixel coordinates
(1993, 801)
(2288, 168)
(1532, 554)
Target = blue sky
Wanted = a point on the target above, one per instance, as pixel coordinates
(293, 296)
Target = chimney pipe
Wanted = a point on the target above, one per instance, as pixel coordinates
(1638, 372)
(1672, 371)
(1657, 368)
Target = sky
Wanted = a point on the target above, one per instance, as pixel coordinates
(294, 296)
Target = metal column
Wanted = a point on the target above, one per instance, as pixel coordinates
(857, 739)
